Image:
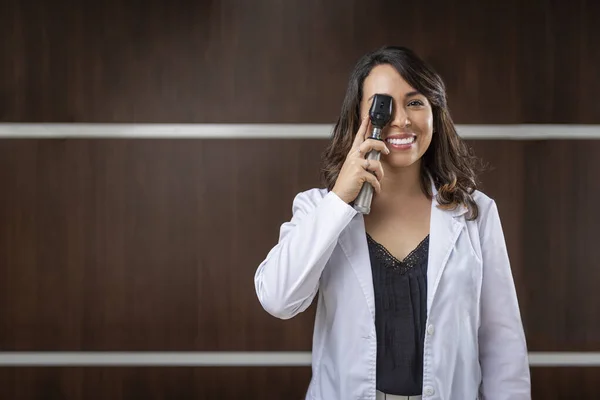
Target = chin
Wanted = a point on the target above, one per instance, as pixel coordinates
(402, 160)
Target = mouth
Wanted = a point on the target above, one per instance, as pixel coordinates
(401, 142)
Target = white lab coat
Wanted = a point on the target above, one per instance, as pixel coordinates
(474, 342)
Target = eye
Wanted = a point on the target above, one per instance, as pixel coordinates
(416, 103)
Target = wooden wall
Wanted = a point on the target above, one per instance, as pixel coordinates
(152, 245)
(288, 61)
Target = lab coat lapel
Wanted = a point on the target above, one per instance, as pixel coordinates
(353, 242)
(445, 228)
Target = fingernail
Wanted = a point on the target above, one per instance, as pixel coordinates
(387, 151)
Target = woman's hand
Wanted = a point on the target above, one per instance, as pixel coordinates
(356, 169)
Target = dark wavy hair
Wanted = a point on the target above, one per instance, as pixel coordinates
(448, 160)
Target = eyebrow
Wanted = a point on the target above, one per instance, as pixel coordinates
(407, 95)
(412, 94)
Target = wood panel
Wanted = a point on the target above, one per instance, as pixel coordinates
(560, 266)
(226, 383)
(151, 244)
(558, 54)
(554, 383)
(154, 383)
(268, 61)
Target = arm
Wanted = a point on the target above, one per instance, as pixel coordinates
(288, 279)
(502, 345)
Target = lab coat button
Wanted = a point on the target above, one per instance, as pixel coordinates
(429, 391)
(430, 330)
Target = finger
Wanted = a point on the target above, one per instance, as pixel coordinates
(375, 167)
(372, 179)
(362, 131)
(357, 153)
(373, 144)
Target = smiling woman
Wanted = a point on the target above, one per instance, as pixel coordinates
(420, 110)
(416, 298)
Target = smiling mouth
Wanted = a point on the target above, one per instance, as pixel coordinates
(401, 141)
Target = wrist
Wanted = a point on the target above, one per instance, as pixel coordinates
(336, 192)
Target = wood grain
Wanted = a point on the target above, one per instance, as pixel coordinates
(560, 264)
(266, 62)
(154, 383)
(226, 383)
(133, 245)
(564, 383)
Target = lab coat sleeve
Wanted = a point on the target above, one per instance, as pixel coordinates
(288, 279)
(502, 345)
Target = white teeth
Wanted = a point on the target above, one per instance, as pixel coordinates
(401, 141)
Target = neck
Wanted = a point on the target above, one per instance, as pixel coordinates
(398, 186)
(402, 182)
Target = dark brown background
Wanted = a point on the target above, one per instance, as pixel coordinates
(153, 244)
(288, 61)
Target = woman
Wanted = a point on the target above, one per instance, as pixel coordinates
(417, 297)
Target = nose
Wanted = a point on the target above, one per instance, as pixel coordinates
(400, 117)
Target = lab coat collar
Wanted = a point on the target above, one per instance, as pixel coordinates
(445, 229)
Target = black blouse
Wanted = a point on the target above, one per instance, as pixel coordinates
(400, 315)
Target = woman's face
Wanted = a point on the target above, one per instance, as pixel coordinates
(409, 132)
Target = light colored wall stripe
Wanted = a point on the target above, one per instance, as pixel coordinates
(230, 359)
(275, 131)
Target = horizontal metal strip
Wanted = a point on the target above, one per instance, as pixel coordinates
(275, 131)
(200, 359)
(233, 359)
